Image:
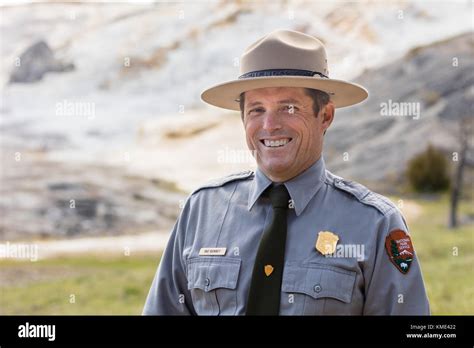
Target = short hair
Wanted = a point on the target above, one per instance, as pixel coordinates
(320, 100)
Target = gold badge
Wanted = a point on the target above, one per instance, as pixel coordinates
(268, 270)
(326, 243)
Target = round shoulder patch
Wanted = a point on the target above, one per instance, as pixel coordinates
(400, 250)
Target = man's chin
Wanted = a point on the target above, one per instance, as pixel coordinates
(275, 168)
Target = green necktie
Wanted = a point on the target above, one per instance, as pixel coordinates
(265, 287)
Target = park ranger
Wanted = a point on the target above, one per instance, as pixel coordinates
(290, 238)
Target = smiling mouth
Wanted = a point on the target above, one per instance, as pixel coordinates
(275, 143)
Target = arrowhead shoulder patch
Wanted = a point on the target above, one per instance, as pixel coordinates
(400, 250)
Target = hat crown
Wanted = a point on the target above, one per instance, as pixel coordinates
(285, 49)
(284, 58)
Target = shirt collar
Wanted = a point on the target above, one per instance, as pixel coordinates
(301, 188)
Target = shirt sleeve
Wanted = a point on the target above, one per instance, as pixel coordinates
(169, 294)
(394, 286)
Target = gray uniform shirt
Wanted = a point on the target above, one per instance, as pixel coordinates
(359, 278)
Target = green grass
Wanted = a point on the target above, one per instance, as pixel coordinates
(119, 284)
(106, 285)
(448, 278)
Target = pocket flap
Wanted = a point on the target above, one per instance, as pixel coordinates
(209, 273)
(319, 281)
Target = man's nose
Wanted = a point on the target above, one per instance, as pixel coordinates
(271, 121)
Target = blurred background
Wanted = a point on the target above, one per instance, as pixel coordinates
(103, 134)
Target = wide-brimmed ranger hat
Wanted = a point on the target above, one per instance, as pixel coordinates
(284, 58)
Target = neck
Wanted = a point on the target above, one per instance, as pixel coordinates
(286, 176)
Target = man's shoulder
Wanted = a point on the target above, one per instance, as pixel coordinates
(361, 194)
(221, 182)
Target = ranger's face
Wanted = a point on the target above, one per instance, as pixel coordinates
(282, 130)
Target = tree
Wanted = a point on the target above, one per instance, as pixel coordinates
(394, 249)
(428, 171)
(465, 131)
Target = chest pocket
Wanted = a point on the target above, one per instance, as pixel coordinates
(212, 282)
(316, 289)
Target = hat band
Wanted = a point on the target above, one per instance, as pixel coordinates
(281, 72)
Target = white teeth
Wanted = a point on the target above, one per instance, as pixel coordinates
(275, 143)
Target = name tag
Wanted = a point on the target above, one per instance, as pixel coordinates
(212, 251)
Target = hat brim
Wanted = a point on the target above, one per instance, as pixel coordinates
(226, 95)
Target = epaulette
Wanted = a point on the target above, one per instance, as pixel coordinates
(361, 193)
(225, 180)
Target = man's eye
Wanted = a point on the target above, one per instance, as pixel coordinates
(255, 111)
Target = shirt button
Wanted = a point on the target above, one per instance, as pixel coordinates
(207, 282)
(317, 288)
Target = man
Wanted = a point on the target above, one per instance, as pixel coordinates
(291, 238)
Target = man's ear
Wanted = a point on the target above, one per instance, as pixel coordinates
(327, 115)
